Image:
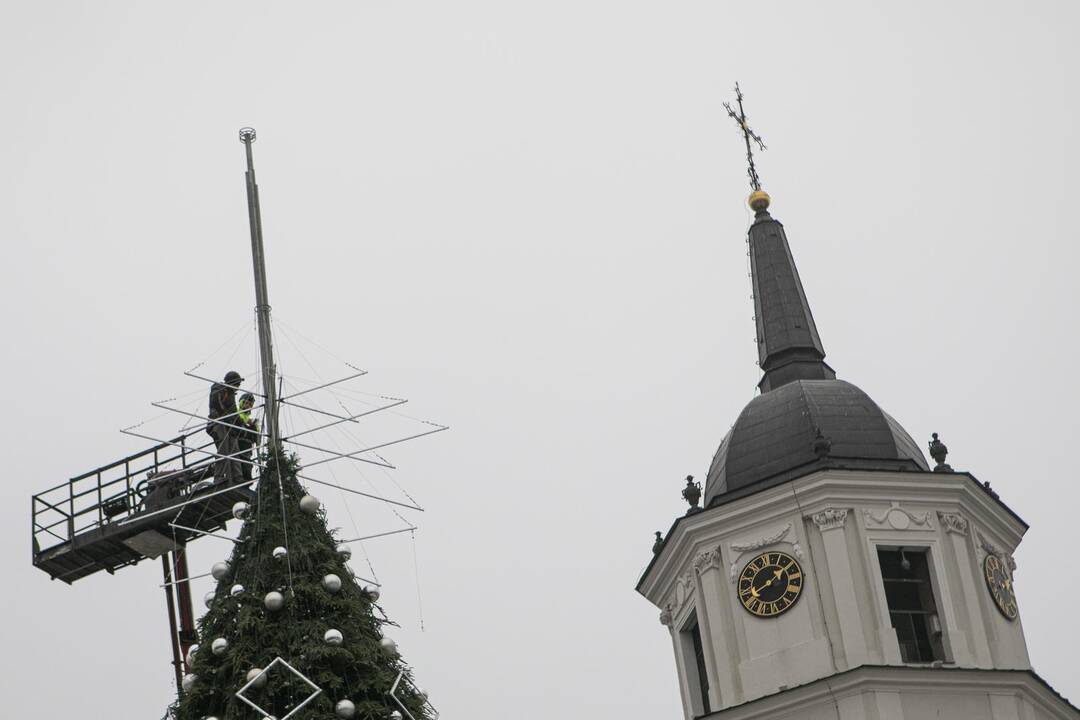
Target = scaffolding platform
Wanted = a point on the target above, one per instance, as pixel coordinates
(139, 507)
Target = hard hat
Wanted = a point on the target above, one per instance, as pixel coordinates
(233, 378)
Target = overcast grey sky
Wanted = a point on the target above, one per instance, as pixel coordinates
(529, 218)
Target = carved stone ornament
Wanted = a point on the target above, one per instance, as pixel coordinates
(830, 519)
(763, 541)
(706, 560)
(953, 523)
(780, 535)
(683, 594)
(991, 549)
(665, 616)
(897, 518)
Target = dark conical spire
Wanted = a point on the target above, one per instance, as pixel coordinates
(789, 347)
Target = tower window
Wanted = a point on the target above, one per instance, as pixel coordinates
(910, 597)
(693, 633)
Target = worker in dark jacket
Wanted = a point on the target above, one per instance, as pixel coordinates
(248, 432)
(224, 423)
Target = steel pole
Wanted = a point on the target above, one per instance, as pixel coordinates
(186, 634)
(173, 637)
(262, 302)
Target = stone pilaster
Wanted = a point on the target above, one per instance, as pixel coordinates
(831, 523)
(724, 675)
(677, 641)
(956, 529)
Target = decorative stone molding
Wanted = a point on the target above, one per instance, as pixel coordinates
(991, 549)
(953, 522)
(707, 560)
(763, 541)
(897, 518)
(665, 616)
(830, 519)
(683, 595)
(780, 535)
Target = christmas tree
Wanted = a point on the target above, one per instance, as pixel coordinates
(288, 619)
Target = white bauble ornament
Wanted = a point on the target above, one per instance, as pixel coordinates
(395, 715)
(240, 510)
(236, 589)
(388, 645)
(210, 717)
(219, 570)
(333, 637)
(190, 657)
(331, 583)
(208, 599)
(274, 601)
(344, 552)
(219, 646)
(280, 552)
(309, 504)
(372, 592)
(345, 709)
(421, 693)
(256, 677)
(188, 682)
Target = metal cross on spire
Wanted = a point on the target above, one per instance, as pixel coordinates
(748, 135)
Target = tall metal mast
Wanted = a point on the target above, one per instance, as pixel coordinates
(262, 302)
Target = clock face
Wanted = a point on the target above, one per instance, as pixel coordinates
(770, 584)
(1000, 586)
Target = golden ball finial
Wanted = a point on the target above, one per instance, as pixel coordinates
(759, 200)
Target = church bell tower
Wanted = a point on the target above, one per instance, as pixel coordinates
(829, 571)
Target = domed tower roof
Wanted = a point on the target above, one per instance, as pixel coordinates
(804, 419)
(776, 437)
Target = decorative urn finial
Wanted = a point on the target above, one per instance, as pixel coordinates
(822, 444)
(938, 451)
(659, 544)
(692, 494)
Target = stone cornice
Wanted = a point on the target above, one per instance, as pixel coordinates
(906, 679)
(814, 493)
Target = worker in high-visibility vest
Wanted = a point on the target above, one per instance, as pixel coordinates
(224, 424)
(247, 432)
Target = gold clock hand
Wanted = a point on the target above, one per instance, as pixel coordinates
(773, 579)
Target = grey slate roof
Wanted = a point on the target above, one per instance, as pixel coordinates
(773, 438)
(789, 347)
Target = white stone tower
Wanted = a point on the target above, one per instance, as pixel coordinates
(829, 572)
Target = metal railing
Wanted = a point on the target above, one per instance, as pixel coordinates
(110, 493)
